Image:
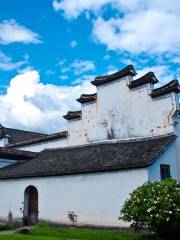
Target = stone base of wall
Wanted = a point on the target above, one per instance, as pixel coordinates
(78, 225)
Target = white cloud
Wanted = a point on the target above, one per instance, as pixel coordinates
(176, 60)
(73, 44)
(142, 25)
(79, 66)
(73, 8)
(86, 78)
(162, 73)
(7, 64)
(63, 77)
(11, 31)
(158, 32)
(30, 104)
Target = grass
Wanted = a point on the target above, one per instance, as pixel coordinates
(62, 233)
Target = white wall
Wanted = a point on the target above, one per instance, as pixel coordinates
(169, 157)
(75, 134)
(95, 198)
(121, 113)
(90, 121)
(177, 153)
(37, 147)
(133, 113)
(2, 142)
(118, 113)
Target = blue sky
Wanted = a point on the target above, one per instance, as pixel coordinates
(50, 50)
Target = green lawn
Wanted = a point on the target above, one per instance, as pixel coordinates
(61, 233)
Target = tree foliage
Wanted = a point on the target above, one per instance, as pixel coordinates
(155, 206)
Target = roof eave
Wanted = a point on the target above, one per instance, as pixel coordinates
(127, 71)
(147, 78)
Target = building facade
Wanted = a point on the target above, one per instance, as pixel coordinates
(125, 134)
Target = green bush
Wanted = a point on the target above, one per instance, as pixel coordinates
(155, 206)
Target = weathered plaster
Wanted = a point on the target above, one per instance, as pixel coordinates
(169, 157)
(95, 198)
(119, 113)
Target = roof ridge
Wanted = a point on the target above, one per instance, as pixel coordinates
(21, 130)
(73, 114)
(113, 141)
(128, 70)
(172, 86)
(113, 157)
(39, 139)
(85, 98)
(146, 78)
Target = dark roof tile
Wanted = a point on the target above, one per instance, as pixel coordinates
(84, 98)
(72, 115)
(17, 135)
(172, 86)
(147, 78)
(107, 156)
(16, 154)
(40, 139)
(127, 71)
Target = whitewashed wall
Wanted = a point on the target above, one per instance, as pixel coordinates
(2, 144)
(118, 113)
(121, 113)
(37, 147)
(95, 198)
(75, 134)
(170, 158)
(133, 113)
(89, 121)
(177, 153)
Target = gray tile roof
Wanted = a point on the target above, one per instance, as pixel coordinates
(17, 135)
(16, 154)
(45, 138)
(147, 78)
(172, 86)
(84, 98)
(72, 115)
(107, 156)
(127, 71)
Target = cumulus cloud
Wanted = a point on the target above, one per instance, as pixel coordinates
(176, 60)
(162, 73)
(139, 25)
(73, 8)
(158, 32)
(7, 64)
(30, 104)
(11, 31)
(79, 66)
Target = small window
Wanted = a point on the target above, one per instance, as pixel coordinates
(165, 171)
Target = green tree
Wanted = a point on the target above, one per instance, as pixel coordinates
(155, 206)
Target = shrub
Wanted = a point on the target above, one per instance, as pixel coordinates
(155, 206)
